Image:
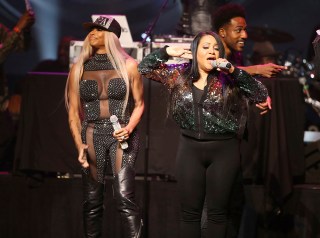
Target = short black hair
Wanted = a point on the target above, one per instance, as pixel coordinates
(225, 13)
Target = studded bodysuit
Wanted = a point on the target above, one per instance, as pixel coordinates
(102, 93)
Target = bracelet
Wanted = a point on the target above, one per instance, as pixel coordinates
(16, 29)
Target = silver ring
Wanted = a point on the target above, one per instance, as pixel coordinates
(122, 137)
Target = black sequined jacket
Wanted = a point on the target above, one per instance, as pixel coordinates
(221, 112)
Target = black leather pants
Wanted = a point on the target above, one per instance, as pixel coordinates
(129, 211)
(92, 207)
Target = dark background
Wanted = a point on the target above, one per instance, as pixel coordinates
(57, 18)
(38, 209)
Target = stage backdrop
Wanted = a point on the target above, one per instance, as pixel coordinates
(277, 155)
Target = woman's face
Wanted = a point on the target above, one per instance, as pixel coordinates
(208, 50)
(96, 40)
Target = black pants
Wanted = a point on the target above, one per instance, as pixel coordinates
(206, 169)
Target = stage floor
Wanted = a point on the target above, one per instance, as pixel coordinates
(51, 208)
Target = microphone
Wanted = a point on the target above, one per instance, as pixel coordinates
(116, 126)
(222, 65)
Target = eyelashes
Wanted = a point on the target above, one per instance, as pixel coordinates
(207, 48)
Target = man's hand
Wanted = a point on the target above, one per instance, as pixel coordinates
(269, 70)
(265, 106)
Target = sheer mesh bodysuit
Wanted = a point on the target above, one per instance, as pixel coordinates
(102, 93)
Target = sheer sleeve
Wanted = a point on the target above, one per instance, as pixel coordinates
(154, 67)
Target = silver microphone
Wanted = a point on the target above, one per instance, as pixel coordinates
(116, 126)
(222, 65)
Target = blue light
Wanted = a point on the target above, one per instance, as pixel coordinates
(46, 27)
(10, 8)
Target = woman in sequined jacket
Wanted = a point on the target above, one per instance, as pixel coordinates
(103, 82)
(208, 101)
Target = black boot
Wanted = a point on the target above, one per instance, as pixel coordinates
(129, 211)
(92, 207)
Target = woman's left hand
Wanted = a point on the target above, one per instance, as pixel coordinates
(178, 51)
(122, 134)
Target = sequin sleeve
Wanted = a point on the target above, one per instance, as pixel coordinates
(9, 41)
(153, 67)
(253, 89)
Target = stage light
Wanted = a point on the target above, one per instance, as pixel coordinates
(9, 8)
(46, 27)
(146, 37)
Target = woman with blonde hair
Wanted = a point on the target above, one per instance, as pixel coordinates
(105, 82)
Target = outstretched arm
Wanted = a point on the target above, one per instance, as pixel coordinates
(265, 70)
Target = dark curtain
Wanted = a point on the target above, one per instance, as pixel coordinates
(44, 139)
(273, 154)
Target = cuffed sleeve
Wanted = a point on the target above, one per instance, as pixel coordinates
(253, 89)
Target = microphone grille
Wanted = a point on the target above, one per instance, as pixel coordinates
(113, 118)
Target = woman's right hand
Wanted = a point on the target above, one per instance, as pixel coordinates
(82, 158)
(26, 21)
(177, 51)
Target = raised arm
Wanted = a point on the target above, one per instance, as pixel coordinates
(153, 65)
(15, 39)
